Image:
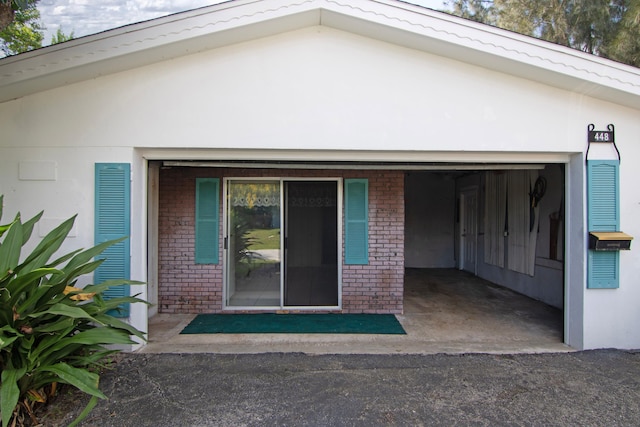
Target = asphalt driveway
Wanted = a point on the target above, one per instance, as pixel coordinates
(594, 388)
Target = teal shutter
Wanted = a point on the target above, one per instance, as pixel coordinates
(112, 221)
(603, 177)
(207, 220)
(356, 213)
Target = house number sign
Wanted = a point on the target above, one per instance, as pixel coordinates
(601, 135)
(607, 136)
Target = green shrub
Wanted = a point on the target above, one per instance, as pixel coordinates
(50, 331)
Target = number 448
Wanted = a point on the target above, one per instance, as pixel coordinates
(602, 136)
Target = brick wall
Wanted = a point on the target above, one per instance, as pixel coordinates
(378, 287)
(186, 287)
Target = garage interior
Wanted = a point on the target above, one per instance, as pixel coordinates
(469, 262)
(456, 297)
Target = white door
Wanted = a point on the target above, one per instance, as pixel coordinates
(468, 229)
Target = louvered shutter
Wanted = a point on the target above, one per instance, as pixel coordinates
(207, 220)
(112, 221)
(603, 215)
(356, 212)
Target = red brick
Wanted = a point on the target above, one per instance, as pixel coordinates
(189, 288)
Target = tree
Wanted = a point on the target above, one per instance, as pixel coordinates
(61, 37)
(24, 33)
(8, 9)
(609, 28)
(475, 10)
(625, 46)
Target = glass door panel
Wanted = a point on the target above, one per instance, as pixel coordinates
(311, 260)
(253, 244)
(260, 272)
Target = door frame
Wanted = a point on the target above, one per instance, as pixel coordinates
(225, 230)
(465, 192)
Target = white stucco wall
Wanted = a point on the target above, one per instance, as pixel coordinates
(65, 187)
(320, 89)
(612, 316)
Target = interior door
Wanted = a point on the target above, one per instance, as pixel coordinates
(311, 249)
(468, 230)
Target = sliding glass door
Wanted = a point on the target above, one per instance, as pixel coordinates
(281, 243)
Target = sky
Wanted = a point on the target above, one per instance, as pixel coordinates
(85, 17)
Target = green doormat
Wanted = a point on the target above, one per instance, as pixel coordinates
(294, 324)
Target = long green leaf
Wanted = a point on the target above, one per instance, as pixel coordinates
(88, 254)
(46, 343)
(9, 392)
(6, 341)
(100, 288)
(119, 324)
(112, 304)
(100, 336)
(27, 306)
(6, 312)
(65, 310)
(4, 228)
(63, 258)
(60, 324)
(70, 276)
(22, 283)
(87, 409)
(48, 246)
(27, 227)
(94, 336)
(52, 295)
(80, 378)
(10, 249)
(96, 358)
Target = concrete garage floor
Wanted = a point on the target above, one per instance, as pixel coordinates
(446, 311)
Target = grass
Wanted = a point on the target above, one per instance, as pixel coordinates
(264, 238)
(244, 268)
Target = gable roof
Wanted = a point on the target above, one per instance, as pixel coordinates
(390, 21)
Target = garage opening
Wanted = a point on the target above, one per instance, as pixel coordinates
(473, 238)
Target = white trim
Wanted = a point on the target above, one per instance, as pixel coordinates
(138, 315)
(355, 166)
(438, 159)
(575, 253)
(153, 201)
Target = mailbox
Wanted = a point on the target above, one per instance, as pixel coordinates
(609, 241)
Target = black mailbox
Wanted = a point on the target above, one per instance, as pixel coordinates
(609, 241)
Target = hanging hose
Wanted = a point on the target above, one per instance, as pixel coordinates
(539, 188)
(535, 195)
